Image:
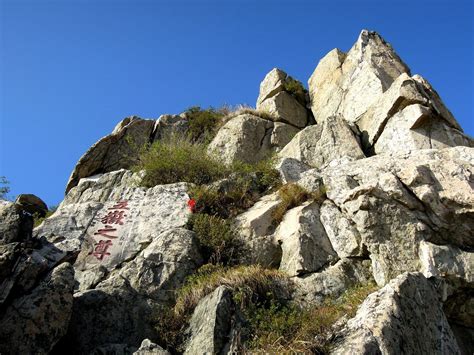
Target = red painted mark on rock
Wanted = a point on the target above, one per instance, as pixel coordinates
(100, 250)
(192, 204)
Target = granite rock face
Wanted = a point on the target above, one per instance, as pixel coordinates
(405, 316)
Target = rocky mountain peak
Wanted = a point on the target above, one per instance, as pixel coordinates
(343, 213)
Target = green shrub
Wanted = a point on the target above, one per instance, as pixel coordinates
(216, 237)
(174, 159)
(244, 185)
(293, 195)
(203, 123)
(296, 89)
(280, 328)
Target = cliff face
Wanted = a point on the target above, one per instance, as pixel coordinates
(387, 178)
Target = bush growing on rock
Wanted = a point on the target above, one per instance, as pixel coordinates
(203, 123)
(216, 237)
(177, 159)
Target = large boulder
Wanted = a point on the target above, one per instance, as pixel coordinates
(248, 138)
(256, 228)
(32, 204)
(210, 324)
(406, 316)
(121, 307)
(116, 151)
(349, 84)
(15, 224)
(319, 145)
(286, 108)
(304, 243)
(409, 116)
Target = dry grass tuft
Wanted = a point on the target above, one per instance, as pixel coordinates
(293, 195)
(246, 280)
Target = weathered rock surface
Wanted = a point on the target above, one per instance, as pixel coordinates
(115, 151)
(255, 228)
(349, 84)
(320, 144)
(395, 203)
(315, 288)
(147, 347)
(416, 127)
(405, 316)
(249, 139)
(210, 323)
(35, 322)
(290, 169)
(31, 204)
(304, 243)
(15, 225)
(286, 108)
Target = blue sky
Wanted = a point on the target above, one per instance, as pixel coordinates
(70, 70)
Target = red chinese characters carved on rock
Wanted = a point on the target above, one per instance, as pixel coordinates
(115, 216)
(100, 250)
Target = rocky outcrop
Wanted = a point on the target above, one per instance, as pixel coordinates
(405, 316)
(320, 144)
(284, 98)
(116, 151)
(210, 324)
(388, 180)
(31, 204)
(395, 203)
(248, 138)
(304, 243)
(348, 85)
(256, 228)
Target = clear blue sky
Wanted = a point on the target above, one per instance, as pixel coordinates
(70, 70)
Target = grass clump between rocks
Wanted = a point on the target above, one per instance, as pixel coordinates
(296, 89)
(203, 123)
(175, 159)
(293, 195)
(246, 281)
(280, 328)
(216, 236)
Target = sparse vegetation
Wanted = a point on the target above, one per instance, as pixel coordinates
(293, 195)
(280, 328)
(244, 185)
(251, 283)
(175, 159)
(244, 109)
(296, 89)
(216, 237)
(203, 123)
